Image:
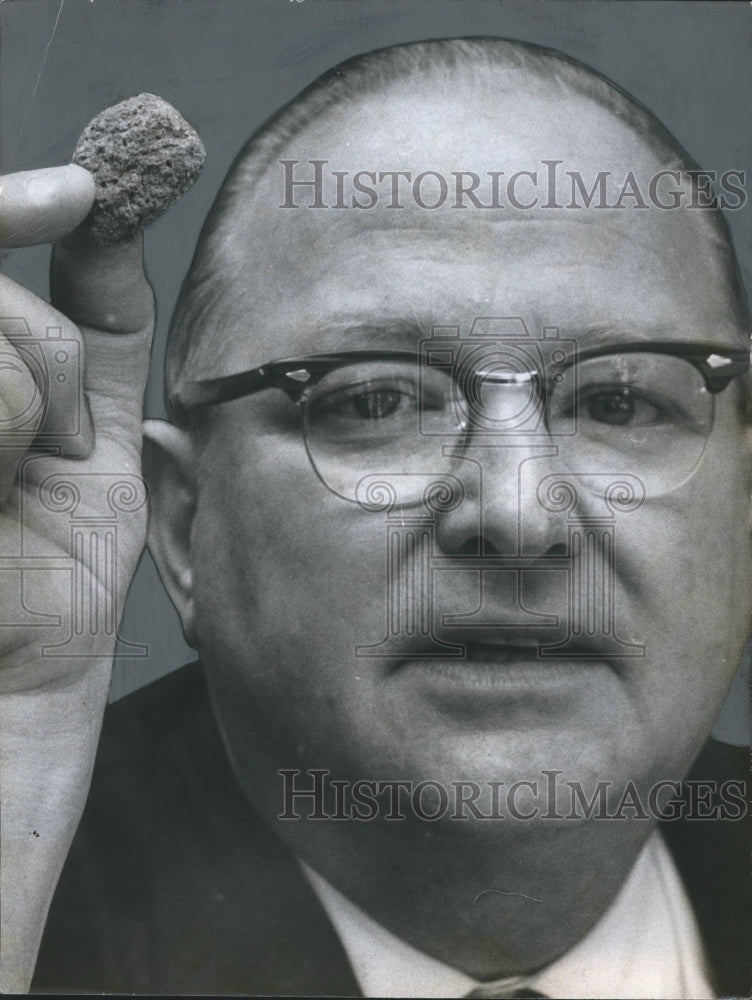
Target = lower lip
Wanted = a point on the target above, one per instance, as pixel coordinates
(505, 674)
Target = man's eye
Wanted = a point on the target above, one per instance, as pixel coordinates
(367, 402)
(621, 406)
(377, 404)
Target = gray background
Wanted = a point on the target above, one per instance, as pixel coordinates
(227, 64)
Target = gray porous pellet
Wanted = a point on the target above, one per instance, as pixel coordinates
(143, 155)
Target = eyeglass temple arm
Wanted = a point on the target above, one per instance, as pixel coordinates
(718, 366)
(291, 375)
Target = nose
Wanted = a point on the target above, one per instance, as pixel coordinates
(501, 512)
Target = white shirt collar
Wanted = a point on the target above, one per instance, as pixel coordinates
(646, 944)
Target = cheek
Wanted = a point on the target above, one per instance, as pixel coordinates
(289, 582)
(698, 535)
(283, 567)
(687, 579)
(718, 532)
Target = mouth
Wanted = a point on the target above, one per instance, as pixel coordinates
(506, 661)
(502, 645)
(498, 653)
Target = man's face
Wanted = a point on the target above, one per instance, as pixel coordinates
(290, 578)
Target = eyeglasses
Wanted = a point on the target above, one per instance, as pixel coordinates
(644, 408)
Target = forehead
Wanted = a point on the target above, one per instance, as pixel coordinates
(303, 279)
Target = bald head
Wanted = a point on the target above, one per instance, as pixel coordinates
(500, 150)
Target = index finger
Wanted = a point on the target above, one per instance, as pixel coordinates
(41, 206)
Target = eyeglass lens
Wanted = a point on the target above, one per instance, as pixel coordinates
(646, 414)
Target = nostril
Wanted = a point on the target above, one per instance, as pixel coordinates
(477, 546)
(559, 549)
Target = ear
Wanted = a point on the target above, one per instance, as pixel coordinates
(748, 444)
(168, 465)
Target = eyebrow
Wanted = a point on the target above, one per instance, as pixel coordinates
(349, 333)
(604, 335)
(391, 329)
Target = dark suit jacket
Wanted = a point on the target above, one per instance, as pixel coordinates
(174, 885)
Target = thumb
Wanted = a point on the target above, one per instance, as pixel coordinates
(104, 290)
(102, 286)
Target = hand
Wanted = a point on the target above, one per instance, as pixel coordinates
(72, 526)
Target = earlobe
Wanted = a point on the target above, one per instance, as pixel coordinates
(168, 464)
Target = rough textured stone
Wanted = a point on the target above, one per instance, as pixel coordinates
(143, 155)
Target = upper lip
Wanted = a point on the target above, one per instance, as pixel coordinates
(502, 638)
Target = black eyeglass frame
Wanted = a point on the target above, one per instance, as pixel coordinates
(294, 375)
